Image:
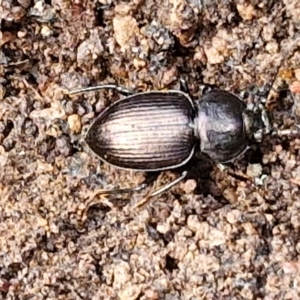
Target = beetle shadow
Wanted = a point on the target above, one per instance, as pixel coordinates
(200, 169)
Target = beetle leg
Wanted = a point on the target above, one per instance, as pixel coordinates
(183, 86)
(284, 132)
(206, 88)
(222, 167)
(236, 175)
(169, 185)
(150, 178)
(161, 190)
(122, 90)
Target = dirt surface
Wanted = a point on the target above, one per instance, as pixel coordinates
(214, 236)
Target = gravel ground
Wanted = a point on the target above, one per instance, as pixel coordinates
(214, 236)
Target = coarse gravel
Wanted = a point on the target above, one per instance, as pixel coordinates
(214, 235)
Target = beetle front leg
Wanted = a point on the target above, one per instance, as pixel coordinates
(287, 132)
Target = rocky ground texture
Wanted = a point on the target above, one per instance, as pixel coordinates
(214, 236)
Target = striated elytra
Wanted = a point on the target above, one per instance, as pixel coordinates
(161, 130)
(150, 131)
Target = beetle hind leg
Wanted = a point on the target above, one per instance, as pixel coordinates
(150, 178)
(120, 89)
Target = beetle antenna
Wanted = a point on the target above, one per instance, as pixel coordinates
(286, 56)
(273, 91)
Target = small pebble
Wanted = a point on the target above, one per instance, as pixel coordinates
(254, 170)
(74, 122)
(189, 186)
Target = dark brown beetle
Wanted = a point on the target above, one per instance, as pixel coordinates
(161, 130)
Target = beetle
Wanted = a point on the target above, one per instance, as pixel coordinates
(161, 130)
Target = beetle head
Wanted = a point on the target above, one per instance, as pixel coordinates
(257, 122)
